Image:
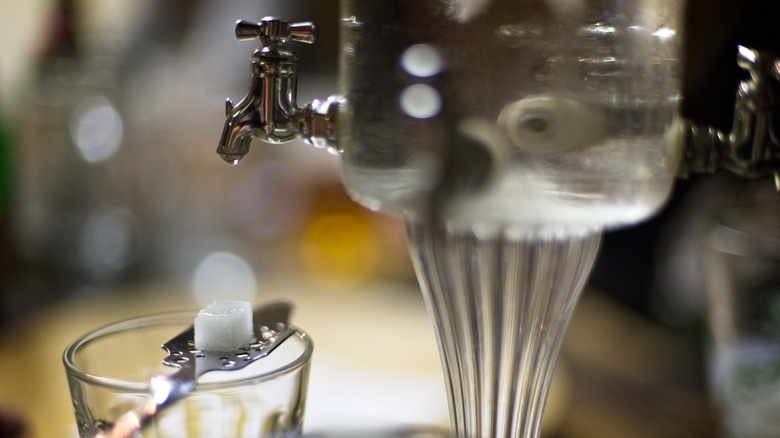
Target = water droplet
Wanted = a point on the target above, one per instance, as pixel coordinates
(231, 159)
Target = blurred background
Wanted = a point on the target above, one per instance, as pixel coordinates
(114, 203)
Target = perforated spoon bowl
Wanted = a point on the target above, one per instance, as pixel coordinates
(271, 328)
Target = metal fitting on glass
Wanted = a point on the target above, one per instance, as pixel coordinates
(752, 148)
(270, 110)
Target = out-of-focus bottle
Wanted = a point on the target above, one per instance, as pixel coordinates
(72, 218)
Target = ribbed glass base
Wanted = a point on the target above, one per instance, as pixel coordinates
(500, 305)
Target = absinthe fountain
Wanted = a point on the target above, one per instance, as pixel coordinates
(508, 133)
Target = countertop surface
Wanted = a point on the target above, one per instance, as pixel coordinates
(376, 364)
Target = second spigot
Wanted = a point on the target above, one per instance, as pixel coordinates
(270, 110)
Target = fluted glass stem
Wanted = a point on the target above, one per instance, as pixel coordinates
(500, 303)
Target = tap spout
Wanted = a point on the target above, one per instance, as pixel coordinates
(239, 127)
(270, 111)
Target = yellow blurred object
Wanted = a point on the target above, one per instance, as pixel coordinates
(339, 249)
(342, 244)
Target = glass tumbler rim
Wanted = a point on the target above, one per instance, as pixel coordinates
(163, 318)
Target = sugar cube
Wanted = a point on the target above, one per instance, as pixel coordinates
(224, 326)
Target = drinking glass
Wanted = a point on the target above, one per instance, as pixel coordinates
(109, 370)
(742, 273)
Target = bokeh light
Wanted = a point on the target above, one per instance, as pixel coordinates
(96, 129)
(223, 275)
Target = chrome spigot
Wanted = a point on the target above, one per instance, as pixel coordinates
(270, 110)
(752, 148)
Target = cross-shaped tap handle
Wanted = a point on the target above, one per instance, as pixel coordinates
(273, 31)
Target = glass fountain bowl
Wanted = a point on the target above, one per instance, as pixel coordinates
(544, 114)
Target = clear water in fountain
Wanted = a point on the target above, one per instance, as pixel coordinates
(541, 113)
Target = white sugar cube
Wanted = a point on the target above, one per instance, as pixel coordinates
(224, 326)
